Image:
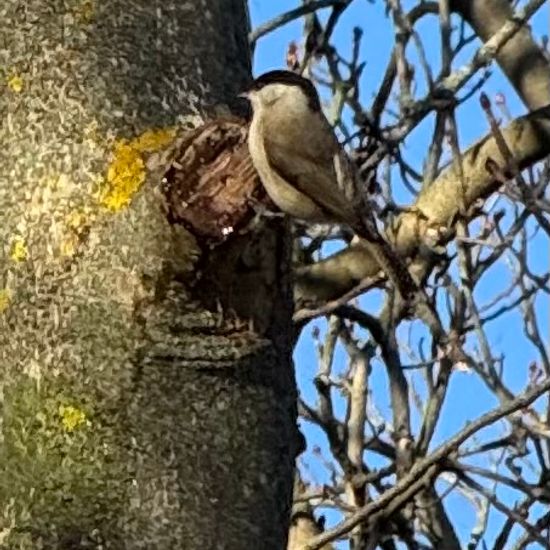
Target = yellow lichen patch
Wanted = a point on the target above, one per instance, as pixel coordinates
(71, 417)
(16, 83)
(5, 298)
(152, 140)
(19, 250)
(126, 173)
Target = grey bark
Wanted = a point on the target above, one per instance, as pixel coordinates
(140, 409)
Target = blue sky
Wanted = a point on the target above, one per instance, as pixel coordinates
(467, 397)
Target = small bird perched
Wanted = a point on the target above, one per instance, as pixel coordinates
(305, 171)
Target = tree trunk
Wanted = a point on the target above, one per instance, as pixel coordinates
(143, 406)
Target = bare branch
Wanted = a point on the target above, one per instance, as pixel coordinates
(424, 470)
(291, 15)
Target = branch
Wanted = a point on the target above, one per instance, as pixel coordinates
(492, 46)
(416, 479)
(521, 58)
(512, 514)
(451, 84)
(383, 95)
(291, 15)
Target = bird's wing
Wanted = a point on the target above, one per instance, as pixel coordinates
(313, 166)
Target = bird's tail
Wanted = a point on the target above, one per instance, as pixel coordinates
(389, 261)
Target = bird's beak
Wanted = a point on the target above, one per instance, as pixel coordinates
(244, 95)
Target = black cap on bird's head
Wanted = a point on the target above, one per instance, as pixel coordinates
(286, 78)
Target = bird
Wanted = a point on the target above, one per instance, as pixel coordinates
(304, 169)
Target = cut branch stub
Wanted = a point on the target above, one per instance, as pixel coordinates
(210, 184)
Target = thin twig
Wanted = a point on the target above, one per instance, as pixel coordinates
(291, 15)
